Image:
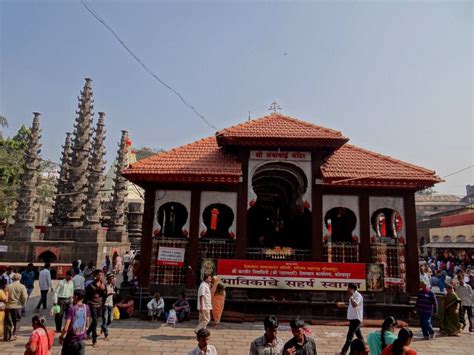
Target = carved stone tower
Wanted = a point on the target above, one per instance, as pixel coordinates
(77, 179)
(58, 216)
(24, 226)
(117, 229)
(93, 211)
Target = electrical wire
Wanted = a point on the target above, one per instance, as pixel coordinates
(148, 70)
(459, 171)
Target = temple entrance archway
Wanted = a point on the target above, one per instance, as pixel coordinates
(47, 257)
(279, 216)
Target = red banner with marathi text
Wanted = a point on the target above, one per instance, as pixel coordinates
(291, 275)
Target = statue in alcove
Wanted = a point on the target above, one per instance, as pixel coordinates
(217, 219)
(171, 217)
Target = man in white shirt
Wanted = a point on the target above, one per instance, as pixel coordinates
(355, 315)
(127, 259)
(203, 347)
(156, 307)
(204, 304)
(464, 292)
(45, 285)
(425, 277)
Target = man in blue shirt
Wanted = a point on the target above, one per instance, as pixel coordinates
(426, 306)
(28, 279)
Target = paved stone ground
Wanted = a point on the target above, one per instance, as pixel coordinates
(141, 337)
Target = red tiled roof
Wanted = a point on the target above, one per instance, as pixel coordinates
(350, 165)
(199, 162)
(280, 131)
(205, 161)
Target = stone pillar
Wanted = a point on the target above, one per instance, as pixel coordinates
(24, 226)
(117, 229)
(93, 210)
(77, 179)
(134, 225)
(58, 216)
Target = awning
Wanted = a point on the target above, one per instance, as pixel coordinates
(449, 245)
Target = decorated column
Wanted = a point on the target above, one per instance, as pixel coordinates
(58, 216)
(117, 228)
(77, 179)
(24, 226)
(93, 211)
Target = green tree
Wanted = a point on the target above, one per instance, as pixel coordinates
(428, 191)
(12, 152)
(145, 152)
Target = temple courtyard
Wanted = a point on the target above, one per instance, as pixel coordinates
(134, 336)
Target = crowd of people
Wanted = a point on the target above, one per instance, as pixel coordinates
(85, 303)
(452, 280)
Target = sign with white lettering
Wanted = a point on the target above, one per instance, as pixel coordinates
(291, 275)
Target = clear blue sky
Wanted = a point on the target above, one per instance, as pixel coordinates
(395, 77)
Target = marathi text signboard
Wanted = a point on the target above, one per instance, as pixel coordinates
(291, 275)
(279, 155)
(170, 256)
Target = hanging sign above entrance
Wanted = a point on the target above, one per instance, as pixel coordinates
(280, 155)
(291, 275)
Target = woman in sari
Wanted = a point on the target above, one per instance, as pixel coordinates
(3, 301)
(449, 318)
(218, 300)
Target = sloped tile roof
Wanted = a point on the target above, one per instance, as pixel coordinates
(279, 131)
(205, 161)
(351, 165)
(201, 161)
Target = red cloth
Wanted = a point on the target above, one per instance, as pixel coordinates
(406, 351)
(39, 340)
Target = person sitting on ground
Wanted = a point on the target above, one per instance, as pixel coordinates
(126, 307)
(358, 347)
(268, 343)
(380, 340)
(42, 339)
(156, 307)
(300, 343)
(203, 346)
(182, 308)
(401, 345)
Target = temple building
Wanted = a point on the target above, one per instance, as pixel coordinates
(275, 193)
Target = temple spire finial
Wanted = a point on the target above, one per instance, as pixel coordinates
(274, 107)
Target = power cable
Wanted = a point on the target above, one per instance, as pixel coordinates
(459, 171)
(148, 70)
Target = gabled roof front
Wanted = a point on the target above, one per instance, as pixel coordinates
(206, 161)
(278, 131)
